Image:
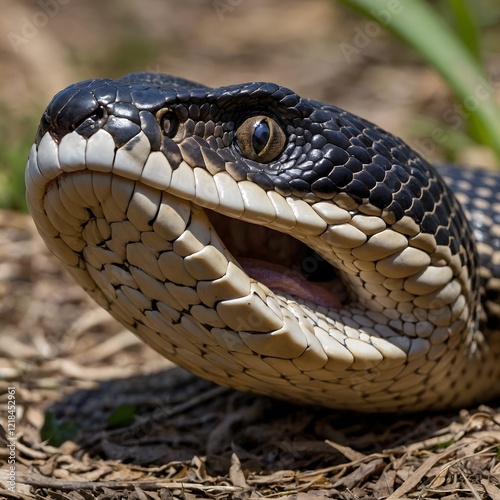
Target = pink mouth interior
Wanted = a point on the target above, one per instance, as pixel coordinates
(283, 280)
(276, 259)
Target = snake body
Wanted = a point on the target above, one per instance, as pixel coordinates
(272, 243)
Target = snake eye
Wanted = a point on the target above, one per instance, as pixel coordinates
(169, 123)
(260, 138)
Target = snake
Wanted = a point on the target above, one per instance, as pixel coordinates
(272, 243)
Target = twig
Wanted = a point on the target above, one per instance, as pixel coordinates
(62, 484)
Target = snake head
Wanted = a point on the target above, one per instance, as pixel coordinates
(262, 240)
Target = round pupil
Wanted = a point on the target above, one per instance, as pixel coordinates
(260, 136)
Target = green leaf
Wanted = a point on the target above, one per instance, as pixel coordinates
(56, 432)
(444, 444)
(421, 27)
(122, 416)
(465, 26)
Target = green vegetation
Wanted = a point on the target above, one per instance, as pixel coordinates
(122, 416)
(452, 48)
(56, 432)
(15, 143)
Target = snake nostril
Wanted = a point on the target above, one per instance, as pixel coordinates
(169, 123)
(91, 122)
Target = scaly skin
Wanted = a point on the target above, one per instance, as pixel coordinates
(151, 188)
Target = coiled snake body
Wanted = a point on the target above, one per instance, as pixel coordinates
(272, 243)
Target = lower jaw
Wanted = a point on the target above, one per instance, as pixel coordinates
(276, 259)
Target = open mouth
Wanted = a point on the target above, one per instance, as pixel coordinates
(285, 265)
(279, 261)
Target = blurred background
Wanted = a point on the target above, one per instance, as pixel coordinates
(320, 48)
